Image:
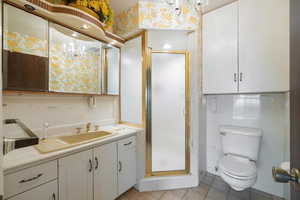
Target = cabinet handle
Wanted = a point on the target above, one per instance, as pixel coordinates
(31, 179)
(129, 143)
(97, 163)
(120, 166)
(53, 196)
(91, 165)
(235, 77)
(241, 77)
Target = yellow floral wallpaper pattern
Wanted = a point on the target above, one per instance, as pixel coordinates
(155, 15)
(78, 74)
(17, 42)
(127, 21)
(158, 15)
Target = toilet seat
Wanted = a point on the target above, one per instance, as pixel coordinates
(238, 167)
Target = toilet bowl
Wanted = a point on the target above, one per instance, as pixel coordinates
(240, 173)
(240, 146)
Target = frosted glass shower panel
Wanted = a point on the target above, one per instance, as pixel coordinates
(131, 82)
(168, 112)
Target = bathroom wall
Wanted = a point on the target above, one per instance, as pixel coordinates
(268, 112)
(59, 111)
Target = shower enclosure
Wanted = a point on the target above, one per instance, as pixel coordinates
(155, 95)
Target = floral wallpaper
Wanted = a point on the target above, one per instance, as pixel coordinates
(17, 42)
(74, 74)
(127, 21)
(67, 74)
(159, 15)
(155, 15)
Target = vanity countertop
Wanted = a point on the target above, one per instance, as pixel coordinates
(29, 156)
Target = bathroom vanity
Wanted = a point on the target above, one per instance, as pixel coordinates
(101, 169)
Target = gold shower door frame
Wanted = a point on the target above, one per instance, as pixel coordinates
(149, 172)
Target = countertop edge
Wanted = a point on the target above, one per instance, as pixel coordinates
(63, 153)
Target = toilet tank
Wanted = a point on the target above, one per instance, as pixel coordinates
(241, 141)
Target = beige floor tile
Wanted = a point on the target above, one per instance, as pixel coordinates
(202, 189)
(193, 195)
(215, 194)
(156, 194)
(174, 194)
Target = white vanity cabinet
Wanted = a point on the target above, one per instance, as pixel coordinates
(105, 174)
(47, 191)
(102, 173)
(127, 164)
(246, 48)
(76, 176)
(32, 182)
(99, 173)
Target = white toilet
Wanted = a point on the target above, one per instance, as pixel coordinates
(240, 145)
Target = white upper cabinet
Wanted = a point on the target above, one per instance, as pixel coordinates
(246, 48)
(264, 45)
(220, 50)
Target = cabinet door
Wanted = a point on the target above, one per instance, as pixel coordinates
(105, 174)
(76, 176)
(264, 45)
(220, 48)
(44, 192)
(126, 164)
(25, 50)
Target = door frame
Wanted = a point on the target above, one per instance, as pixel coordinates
(295, 91)
(149, 171)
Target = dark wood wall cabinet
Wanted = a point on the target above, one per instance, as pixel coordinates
(25, 72)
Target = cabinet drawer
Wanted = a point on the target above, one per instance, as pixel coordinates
(126, 143)
(47, 191)
(28, 178)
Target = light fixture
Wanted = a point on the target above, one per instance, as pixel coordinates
(177, 4)
(167, 46)
(74, 34)
(84, 26)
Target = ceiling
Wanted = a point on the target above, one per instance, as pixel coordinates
(120, 5)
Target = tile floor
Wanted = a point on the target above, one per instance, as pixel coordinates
(210, 188)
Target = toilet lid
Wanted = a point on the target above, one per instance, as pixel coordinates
(237, 166)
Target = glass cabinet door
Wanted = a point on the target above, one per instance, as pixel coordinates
(111, 70)
(75, 62)
(25, 50)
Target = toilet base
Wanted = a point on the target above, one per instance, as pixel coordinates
(237, 184)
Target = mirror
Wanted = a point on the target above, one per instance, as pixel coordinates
(25, 50)
(74, 62)
(111, 70)
(43, 56)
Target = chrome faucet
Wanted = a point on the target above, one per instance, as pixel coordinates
(88, 127)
